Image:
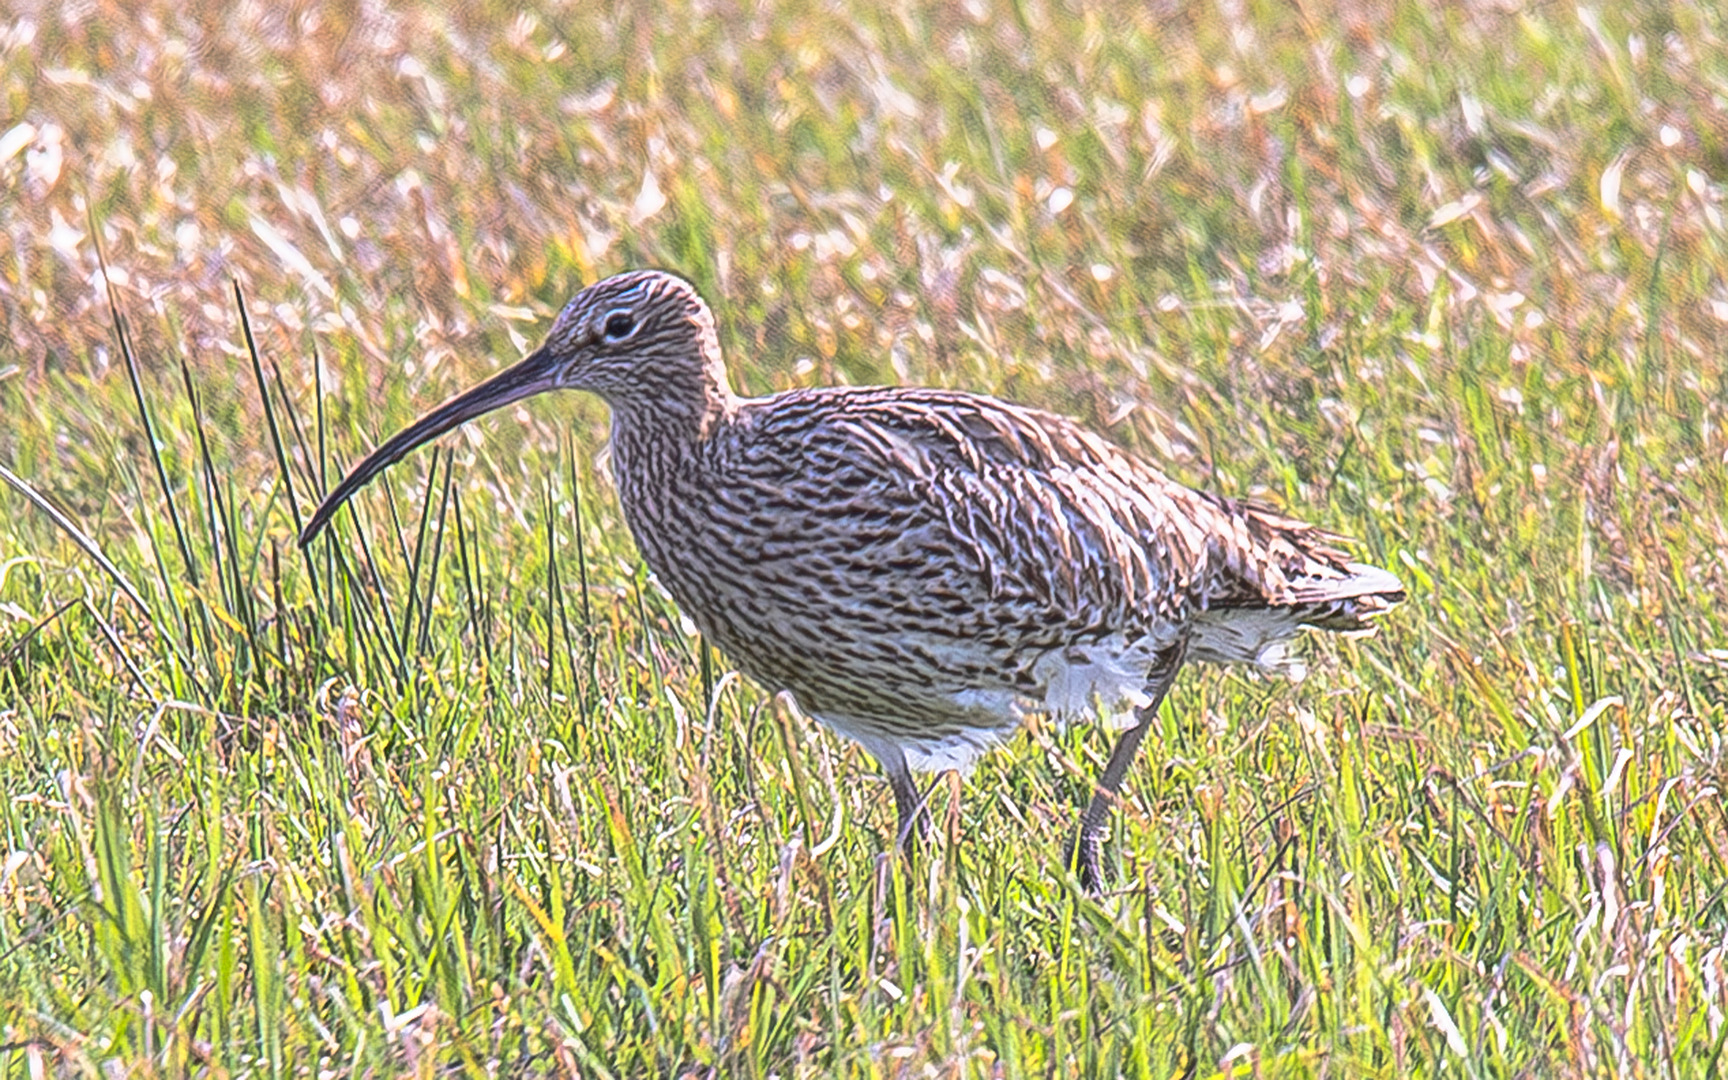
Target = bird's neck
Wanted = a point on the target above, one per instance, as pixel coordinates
(655, 440)
(660, 465)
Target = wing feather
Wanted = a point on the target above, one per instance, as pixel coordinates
(1098, 536)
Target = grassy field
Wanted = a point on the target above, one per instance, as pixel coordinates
(458, 790)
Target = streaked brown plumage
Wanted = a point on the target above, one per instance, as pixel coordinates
(918, 567)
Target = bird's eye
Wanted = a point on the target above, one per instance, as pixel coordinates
(619, 325)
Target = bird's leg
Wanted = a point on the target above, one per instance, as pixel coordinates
(1085, 855)
(913, 816)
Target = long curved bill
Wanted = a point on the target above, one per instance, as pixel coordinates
(534, 374)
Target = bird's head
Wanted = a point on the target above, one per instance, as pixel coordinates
(637, 338)
(644, 341)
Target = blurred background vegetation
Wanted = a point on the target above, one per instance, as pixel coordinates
(458, 790)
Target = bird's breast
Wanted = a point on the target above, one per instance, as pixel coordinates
(840, 595)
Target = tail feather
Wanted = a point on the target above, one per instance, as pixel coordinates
(1360, 579)
(1327, 599)
(1332, 602)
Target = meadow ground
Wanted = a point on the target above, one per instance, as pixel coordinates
(457, 789)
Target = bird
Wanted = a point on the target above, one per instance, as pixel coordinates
(920, 568)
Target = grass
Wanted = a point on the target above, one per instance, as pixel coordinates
(458, 790)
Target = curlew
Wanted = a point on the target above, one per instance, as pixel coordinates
(919, 568)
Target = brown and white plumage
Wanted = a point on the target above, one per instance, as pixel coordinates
(918, 567)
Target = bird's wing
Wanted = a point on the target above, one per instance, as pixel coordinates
(1046, 508)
